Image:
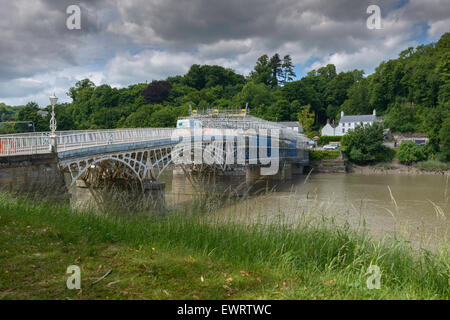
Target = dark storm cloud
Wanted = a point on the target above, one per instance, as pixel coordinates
(126, 41)
(34, 37)
(190, 23)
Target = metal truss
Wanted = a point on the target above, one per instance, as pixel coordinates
(139, 164)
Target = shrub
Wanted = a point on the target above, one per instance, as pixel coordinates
(364, 144)
(410, 152)
(327, 139)
(323, 154)
(385, 154)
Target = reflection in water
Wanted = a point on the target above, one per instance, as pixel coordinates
(416, 206)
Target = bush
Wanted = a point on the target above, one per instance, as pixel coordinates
(327, 139)
(323, 154)
(364, 144)
(385, 154)
(410, 152)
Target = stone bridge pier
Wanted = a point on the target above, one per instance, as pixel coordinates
(34, 174)
(117, 195)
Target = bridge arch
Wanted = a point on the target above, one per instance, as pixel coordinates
(141, 166)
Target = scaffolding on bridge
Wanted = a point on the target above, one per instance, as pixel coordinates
(240, 119)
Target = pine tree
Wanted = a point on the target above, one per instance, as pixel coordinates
(276, 66)
(287, 69)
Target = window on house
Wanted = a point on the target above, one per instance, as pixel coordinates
(343, 130)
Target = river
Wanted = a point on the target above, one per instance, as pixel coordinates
(414, 206)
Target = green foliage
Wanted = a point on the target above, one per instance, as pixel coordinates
(273, 71)
(29, 113)
(445, 139)
(323, 154)
(200, 77)
(410, 152)
(364, 144)
(306, 118)
(287, 70)
(402, 118)
(327, 139)
(433, 165)
(8, 113)
(157, 91)
(385, 154)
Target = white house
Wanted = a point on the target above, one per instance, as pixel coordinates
(329, 129)
(347, 123)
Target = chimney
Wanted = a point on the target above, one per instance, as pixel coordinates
(328, 121)
(333, 121)
(374, 112)
(342, 114)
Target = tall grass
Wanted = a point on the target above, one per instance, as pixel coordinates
(306, 249)
(433, 165)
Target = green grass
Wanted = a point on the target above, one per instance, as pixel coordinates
(433, 165)
(195, 256)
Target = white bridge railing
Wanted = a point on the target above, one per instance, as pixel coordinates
(40, 142)
(77, 140)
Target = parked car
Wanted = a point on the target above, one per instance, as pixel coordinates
(331, 147)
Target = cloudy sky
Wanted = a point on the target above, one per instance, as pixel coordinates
(122, 42)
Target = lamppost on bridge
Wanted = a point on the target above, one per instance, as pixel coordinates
(53, 101)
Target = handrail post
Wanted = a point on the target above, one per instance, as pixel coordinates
(53, 146)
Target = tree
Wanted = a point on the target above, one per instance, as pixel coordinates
(279, 111)
(80, 86)
(443, 70)
(287, 68)
(401, 117)
(276, 69)
(306, 118)
(255, 94)
(410, 152)
(364, 144)
(262, 72)
(328, 72)
(157, 92)
(358, 99)
(29, 113)
(445, 139)
(200, 77)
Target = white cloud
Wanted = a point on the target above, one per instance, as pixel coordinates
(438, 28)
(40, 87)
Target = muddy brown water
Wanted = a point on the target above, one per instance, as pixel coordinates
(414, 206)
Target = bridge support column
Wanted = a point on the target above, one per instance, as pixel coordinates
(177, 172)
(154, 194)
(284, 173)
(297, 169)
(252, 174)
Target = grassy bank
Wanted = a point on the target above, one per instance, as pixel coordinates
(394, 167)
(433, 165)
(188, 256)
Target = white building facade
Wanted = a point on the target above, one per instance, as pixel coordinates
(347, 123)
